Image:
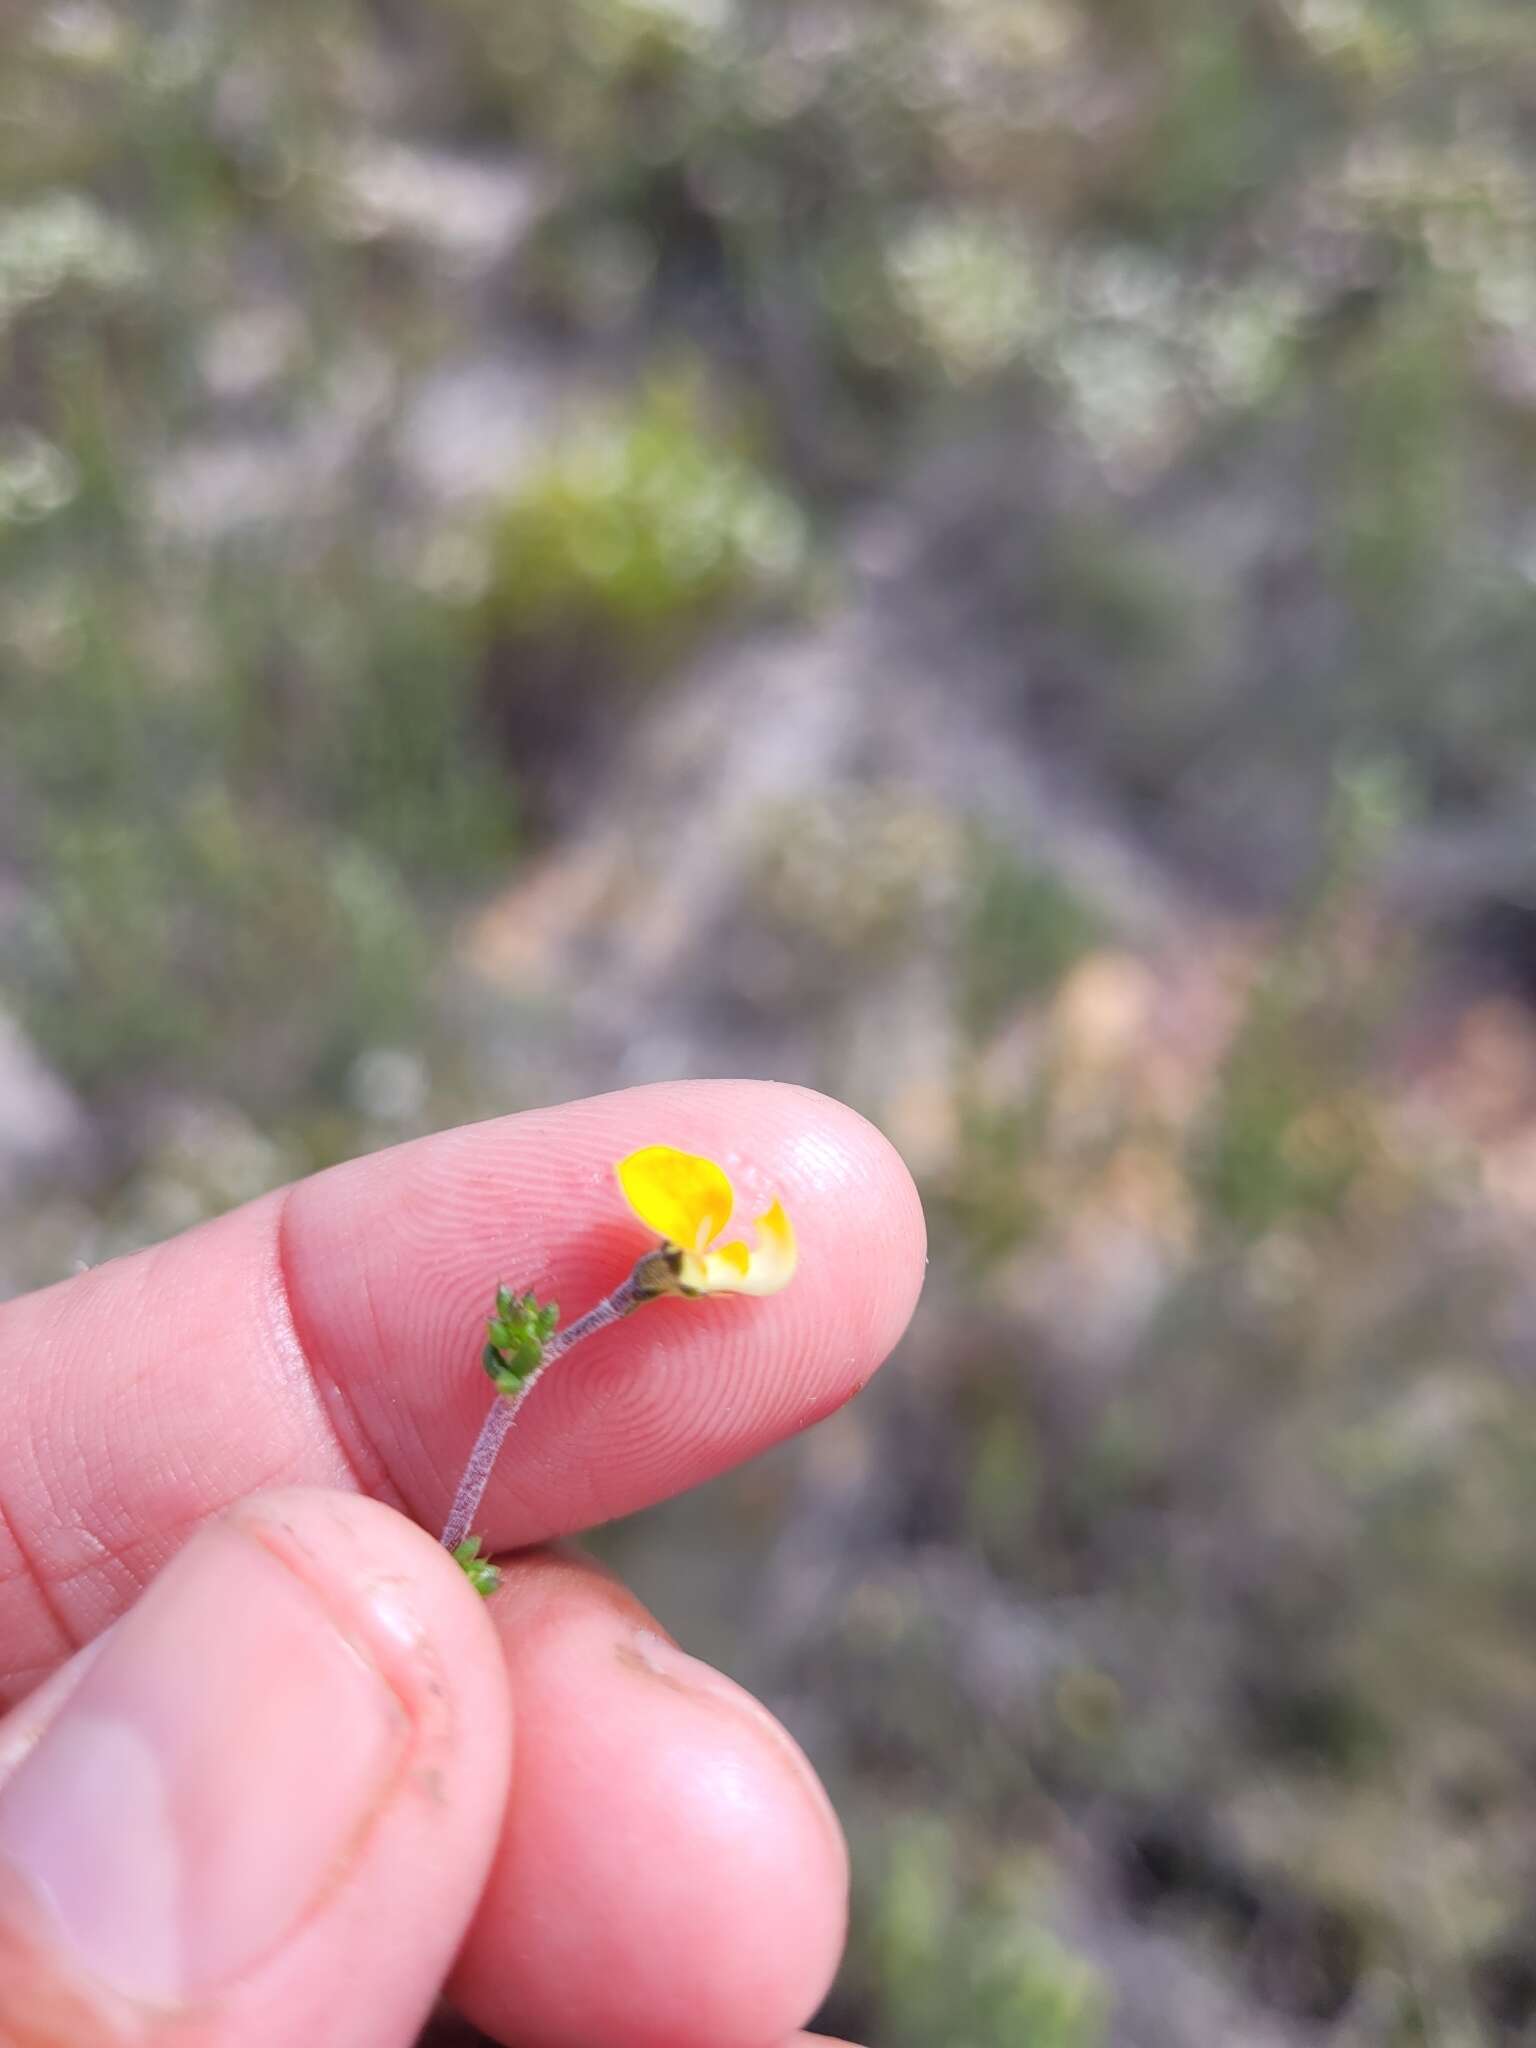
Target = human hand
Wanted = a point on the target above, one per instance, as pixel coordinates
(308, 1779)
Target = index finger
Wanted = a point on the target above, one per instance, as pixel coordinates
(330, 1333)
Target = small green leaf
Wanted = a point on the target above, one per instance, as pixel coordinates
(484, 1576)
(517, 1334)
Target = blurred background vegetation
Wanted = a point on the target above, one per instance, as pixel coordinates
(979, 554)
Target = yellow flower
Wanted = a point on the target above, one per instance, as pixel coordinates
(688, 1201)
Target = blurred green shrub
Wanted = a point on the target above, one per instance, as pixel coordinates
(1024, 928)
(647, 522)
(233, 799)
(201, 945)
(1261, 273)
(641, 523)
(1293, 1126)
(241, 754)
(968, 1962)
(1290, 1129)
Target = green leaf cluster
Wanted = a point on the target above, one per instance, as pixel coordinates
(642, 522)
(484, 1576)
(516, 1336)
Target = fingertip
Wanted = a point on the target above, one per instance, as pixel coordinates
(856, 1181)
(672, 1874)
(393, 1261)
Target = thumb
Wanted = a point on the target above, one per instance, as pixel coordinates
(260, 1807)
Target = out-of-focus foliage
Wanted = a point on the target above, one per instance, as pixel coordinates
(977, 553)
(1206, 244)
(970, 1970)
(637, 526)
(238, 724)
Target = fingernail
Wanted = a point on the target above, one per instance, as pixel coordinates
(205, 1780)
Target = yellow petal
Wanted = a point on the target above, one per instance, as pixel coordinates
(763, 1268)
(683, 1198)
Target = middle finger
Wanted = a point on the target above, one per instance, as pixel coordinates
(670, 1874)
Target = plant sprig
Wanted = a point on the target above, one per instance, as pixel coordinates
(515, 1339)
(484, 1576)
(687, 1200)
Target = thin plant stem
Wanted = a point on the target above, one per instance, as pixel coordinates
(505, 1408)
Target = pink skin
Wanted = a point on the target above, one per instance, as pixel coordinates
(664, 1873)
(589, 1948)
